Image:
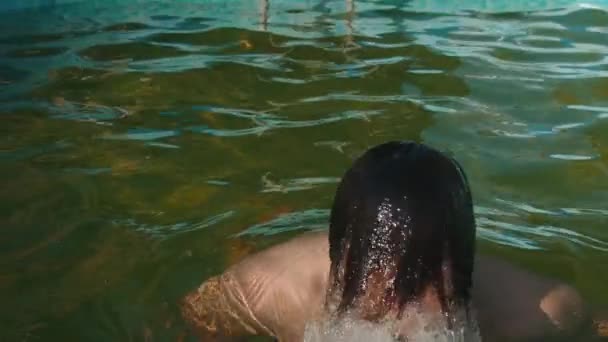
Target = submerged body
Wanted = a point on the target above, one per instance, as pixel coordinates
(277, 291)
(397, 263)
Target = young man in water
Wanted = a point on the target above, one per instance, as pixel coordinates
(400, 258)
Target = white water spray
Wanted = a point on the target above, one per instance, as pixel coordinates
(352, 330)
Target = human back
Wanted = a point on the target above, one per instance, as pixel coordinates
(400, 247)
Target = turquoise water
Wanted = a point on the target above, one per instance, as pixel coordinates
(449, 6)
(147, 145)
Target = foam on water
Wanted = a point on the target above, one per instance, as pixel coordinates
(352, 330)
(346, 330)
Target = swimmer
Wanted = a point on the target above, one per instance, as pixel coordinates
(400, 246)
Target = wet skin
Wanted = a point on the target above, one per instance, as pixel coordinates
(276, 291)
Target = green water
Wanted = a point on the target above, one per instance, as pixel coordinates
(147, 145)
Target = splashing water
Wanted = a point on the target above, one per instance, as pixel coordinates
(346, 330)
(353, 330)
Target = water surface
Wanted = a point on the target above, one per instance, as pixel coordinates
(146, 145)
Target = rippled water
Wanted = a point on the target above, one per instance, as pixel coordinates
(148, 144)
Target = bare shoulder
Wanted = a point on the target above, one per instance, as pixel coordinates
(290, 267)
(272, 292)
(284, 286)
(518, 304)
(303, 249)
(564, 307)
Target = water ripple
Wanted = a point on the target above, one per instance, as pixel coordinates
(494, 225)
(264, 122)
(142, 135)
(295, 184)
(167, 231)
(531, 237)
(307, 220)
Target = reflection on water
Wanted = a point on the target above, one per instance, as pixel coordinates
(148, 144)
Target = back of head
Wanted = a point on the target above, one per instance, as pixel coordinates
(402, 223)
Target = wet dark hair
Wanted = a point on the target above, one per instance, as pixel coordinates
(403, 211)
